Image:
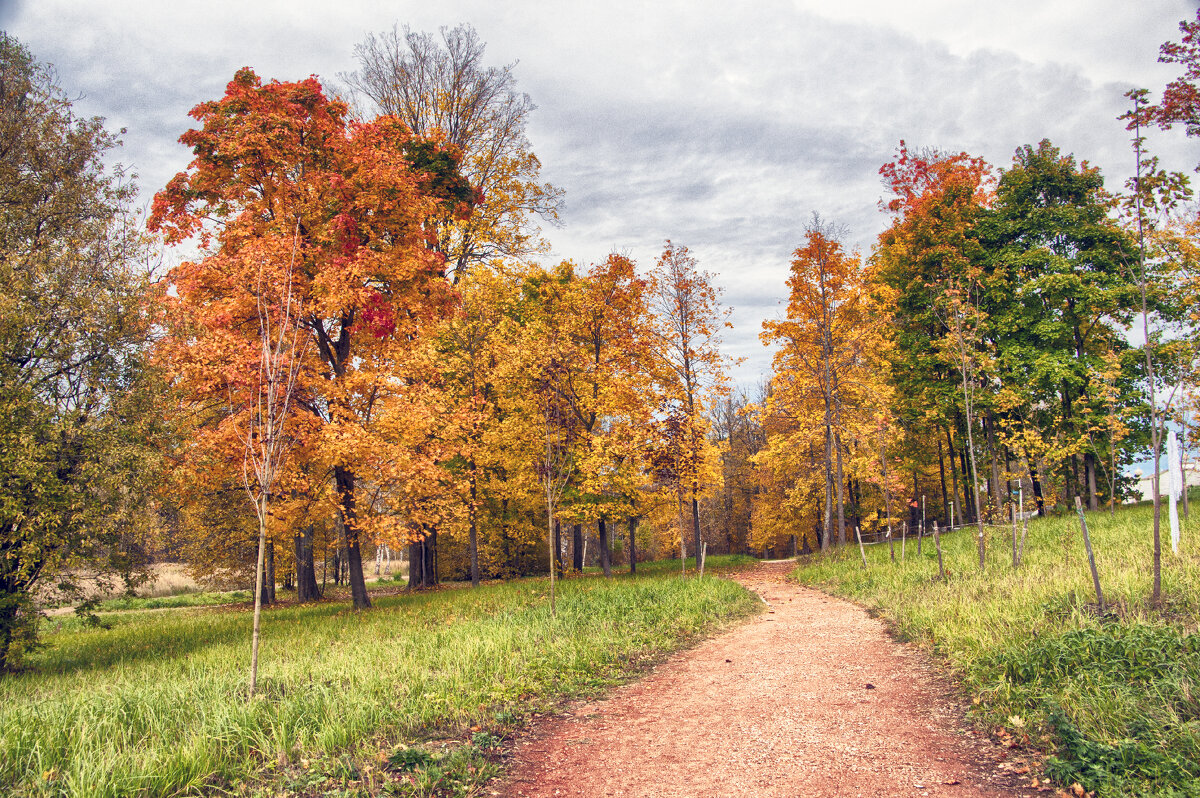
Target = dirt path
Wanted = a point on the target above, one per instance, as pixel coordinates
(811, 698)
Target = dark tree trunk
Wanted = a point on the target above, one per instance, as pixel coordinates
(416, 564)
(577, 548)
(558, 561)
(695, 525)
(605, 557)
(953, 473)
(633, 522)
(945, 496)
(269, 574)
(306, 568)
(429, 574)
(968, 487)
(1037, 491)
(344, 478)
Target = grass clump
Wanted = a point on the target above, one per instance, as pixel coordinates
(1115, 695)
(157, 705)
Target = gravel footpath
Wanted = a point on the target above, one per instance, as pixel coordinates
(811, 698)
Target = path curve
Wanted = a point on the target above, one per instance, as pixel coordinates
(779, 706)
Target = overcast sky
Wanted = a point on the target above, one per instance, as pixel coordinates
(722, 126)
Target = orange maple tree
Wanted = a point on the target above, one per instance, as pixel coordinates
(283, 179)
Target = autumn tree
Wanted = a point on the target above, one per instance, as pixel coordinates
(76, 391)
(828, 384)
(1180, 103)
(278, 168)
(688, 324)
(930, 259)
(444, 88)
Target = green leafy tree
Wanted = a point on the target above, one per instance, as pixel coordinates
(73, 382)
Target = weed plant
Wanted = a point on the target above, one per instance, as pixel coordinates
(1114, 695)
(157, 705)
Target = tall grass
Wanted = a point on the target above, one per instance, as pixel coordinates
(1116, 696)
(156, 705)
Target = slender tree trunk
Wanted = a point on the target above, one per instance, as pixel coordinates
(827, 538)
(968, 494)
(945, 496)
(993, 450)
(633, 522)
(258, 592)
(472, 528)
(841, 504)
(696, 524)
(344, 479)
(605, 556)
(558, 559)
(953, 471)
(577, 548)
(1037, 490)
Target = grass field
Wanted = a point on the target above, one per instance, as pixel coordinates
(1116, 697)
(407, 698)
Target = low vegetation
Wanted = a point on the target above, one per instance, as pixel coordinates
(1115, 695)
(410, 698)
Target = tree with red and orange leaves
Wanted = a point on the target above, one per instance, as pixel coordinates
(282, 178)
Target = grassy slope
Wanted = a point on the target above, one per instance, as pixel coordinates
(1113, 696)
(156, 704)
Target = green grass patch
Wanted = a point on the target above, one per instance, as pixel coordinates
(1116, 697)
(173, 601)
(156, 704)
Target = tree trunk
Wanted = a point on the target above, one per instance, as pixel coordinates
(1089, 468)
(945, 496)
(344, 479)
(605, 556)
(841, 502)
(577, 548)
(968, 505)
(416, 564)
(429, 574)
(633, 522)
(1037, 491)
(827, 538)
(472, 531)
(306, 569)
(269, 584)
(953, 471)
(696, 525)
(558, 560)
(997, 498)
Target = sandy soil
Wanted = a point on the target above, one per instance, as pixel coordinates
(811, 698)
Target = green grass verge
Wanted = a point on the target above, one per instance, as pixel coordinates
(173, 601)
(1115, 697)
(156, 704)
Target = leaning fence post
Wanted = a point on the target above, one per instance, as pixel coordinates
(861, 550)
(903, 540)
(1087, 544)
(937, 541)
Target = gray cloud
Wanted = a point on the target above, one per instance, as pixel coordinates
(721, 127)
